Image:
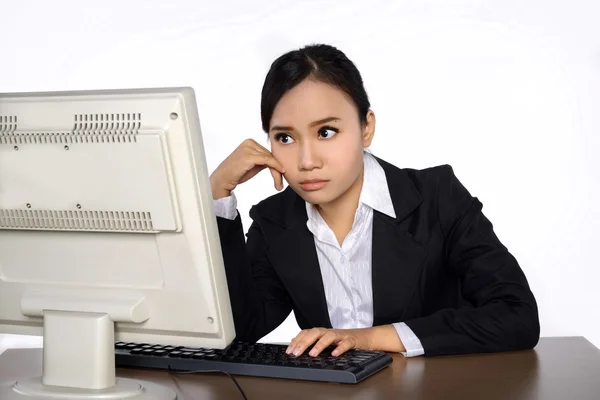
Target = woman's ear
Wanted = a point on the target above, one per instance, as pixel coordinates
(368, 129)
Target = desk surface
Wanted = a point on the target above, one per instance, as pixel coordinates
(558, 368)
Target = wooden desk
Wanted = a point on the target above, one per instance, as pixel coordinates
(558, 368)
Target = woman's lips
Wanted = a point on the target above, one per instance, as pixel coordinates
(311, 185)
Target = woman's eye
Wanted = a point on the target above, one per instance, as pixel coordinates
(327, 133)
(284, 138)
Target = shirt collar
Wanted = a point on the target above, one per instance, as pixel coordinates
(375, 192)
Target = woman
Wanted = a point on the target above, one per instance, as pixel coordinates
(367, 255)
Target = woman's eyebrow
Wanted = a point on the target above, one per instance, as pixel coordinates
(323, 121)
(312, 124)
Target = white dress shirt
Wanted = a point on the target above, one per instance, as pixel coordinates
(346, 269)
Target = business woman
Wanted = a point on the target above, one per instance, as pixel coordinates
(366, 254)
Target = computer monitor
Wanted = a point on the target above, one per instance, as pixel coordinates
(107, 232)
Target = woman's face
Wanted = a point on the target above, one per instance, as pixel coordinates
(316, 134)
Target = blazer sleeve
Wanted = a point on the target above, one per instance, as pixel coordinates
(504, 314)
(259, 301)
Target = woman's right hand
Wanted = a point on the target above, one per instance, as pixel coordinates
(244, 163)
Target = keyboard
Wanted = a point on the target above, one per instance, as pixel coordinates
(254, 359)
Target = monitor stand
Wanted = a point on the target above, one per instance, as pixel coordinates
(79, 364)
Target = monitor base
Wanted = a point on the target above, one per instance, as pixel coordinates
(34, 389)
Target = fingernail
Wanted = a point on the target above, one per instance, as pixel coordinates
(312, 353)
(288, 350)
(297, 352)
(335, 353)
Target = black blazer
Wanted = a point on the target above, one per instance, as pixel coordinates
(438, 267)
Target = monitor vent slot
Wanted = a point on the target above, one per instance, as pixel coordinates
(79, 220)
(107, 124)
(87, 128)
(8, 123)
(64, 138)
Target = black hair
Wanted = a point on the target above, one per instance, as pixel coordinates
(320, 62)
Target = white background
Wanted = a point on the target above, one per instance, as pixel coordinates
(506, 91)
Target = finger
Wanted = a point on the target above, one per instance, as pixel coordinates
(294, 341)
(343, 346)
(325, 341)
(258, 147)
(253, 148)
(249, 144)
(256, 162)
(251, 171)
(277, 178)
(307, 339)
(268, 160)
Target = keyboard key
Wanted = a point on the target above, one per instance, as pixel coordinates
(190, 349)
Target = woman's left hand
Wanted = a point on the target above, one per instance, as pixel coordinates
(343, 339)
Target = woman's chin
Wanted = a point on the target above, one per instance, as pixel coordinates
(315, 196)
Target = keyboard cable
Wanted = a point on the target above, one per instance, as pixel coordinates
(175, 372)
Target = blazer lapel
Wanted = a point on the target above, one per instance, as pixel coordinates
(294, 254)
(397, 258)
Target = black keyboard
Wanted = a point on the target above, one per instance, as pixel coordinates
(255, 359)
